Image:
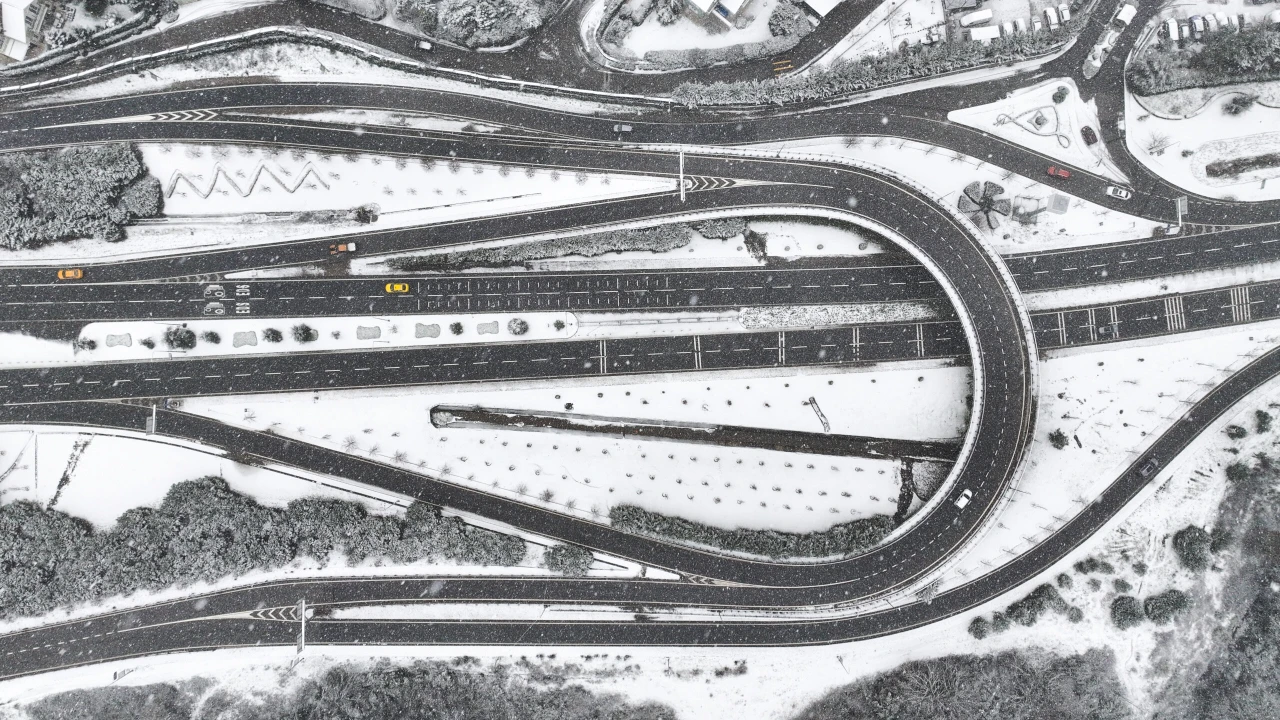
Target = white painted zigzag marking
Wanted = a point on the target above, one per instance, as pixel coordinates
(219, 172)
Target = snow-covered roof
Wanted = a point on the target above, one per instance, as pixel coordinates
(733, 6)
(703, 5)
(13, 21)
(14, 49)
(822, 7)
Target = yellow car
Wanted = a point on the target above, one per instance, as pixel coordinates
(397, 288)
(70, 274)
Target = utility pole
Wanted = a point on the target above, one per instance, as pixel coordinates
(681, 176)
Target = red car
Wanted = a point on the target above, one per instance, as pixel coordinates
(1059, 172)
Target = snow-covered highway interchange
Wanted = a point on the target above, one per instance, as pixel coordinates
(402, 298)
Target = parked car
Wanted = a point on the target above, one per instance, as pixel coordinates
(1098, 54)
(397, 288)
(1118, 192)
(214, 308)
(1211, 24)
(1020, 26)
(1197, 27)
(1064, 12)
(70, 274)
(1051, 18)
(424, 45)
(1120, 124)
(1124, 16)
(1090, 137)
(1055, 171)
(339, 248)
(1170, 29)
(1006, 28)
(1036, 26)
(976, 18)
(964, 498)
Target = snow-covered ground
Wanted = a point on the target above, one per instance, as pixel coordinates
(1053, 219)
(1112, 402)
(584, 475)
(97, 475)
(241, 195)
(886, 27)
(1177, 141)
(1030, 117)
(689, 31)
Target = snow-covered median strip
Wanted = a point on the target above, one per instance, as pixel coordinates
(764, 318)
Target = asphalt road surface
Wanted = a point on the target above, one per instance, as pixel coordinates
(260, 615)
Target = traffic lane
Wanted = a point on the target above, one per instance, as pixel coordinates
(1076, 531)
(1082, 266)
(851, 280)
(219, 375)
(892, 116)
(1140, 259)
(999, 348)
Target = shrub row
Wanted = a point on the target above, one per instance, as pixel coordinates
(1252, 55)
(1026, 612)
(1127, 612)
(204, 531)
(845, 539)
(656, 239)
(866, 73)
(90, 191)
(383, 691)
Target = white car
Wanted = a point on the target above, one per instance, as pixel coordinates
(1064, 12)
(1118, 192)
(964, 499)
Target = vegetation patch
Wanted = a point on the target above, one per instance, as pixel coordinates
(656, 239)
(79, 192)
(381, 692)
(1224, 58)
(204, 531)
(1005, 685)
(476, 23)
(571, 560)
(1027, 611)
(844, 539)
(1239, 166)
(870, 72)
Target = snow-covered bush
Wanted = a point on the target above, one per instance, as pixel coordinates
(371, 9)
(204, 531)
(840, 540)
(180, 338)
(476, 23)
(570, 560)
(304, 333)
(658, 239)
(91, 191)
(721, 228)
(870, 72)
